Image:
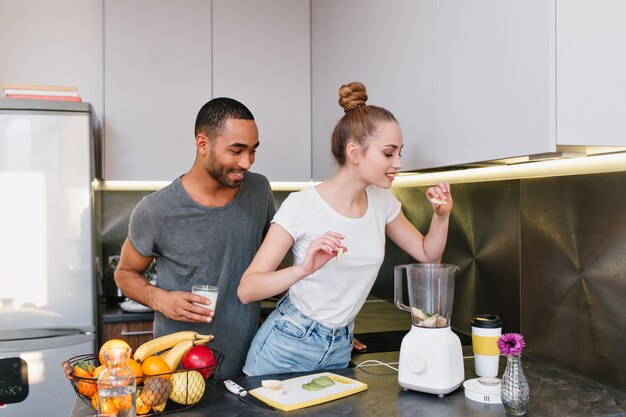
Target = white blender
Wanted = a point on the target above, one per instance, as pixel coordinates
(431, 357)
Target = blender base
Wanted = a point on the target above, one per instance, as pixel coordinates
(486, 392)
(431, 361)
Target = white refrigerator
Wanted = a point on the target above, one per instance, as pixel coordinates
(47, 241)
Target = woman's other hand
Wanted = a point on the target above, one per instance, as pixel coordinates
(357, 345)
(320, 251)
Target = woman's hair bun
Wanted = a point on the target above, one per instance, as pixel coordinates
(352, 96)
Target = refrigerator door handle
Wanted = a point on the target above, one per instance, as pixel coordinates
(47, 343)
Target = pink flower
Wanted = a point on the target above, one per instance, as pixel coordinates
(511, 344)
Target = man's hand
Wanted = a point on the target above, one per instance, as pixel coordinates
(178, 305)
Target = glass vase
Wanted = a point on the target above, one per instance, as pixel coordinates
(116, 385)
(514, 390)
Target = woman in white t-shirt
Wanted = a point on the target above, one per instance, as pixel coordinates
(336, 231)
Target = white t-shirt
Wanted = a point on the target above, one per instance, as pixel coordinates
(334, 294)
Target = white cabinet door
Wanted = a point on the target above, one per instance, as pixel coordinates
(53, 43)
(493, 79)
(386, 46)
(591, 72)
(157, 75)
(261, 57)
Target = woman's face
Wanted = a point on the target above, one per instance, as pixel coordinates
(380, 161)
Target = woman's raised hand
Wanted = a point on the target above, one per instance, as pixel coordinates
(321, 250)
(440, 197)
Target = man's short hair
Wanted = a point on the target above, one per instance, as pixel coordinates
(212, 116)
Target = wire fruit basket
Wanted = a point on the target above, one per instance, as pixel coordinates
(156, 394)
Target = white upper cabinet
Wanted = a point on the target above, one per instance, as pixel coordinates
(493, 79)
(591, 72)
(515, 78)
(53, 43)
(468, 81)
(157, 75)
(386, 46)
(262, 57)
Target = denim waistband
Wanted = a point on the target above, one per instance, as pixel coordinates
(284, 306)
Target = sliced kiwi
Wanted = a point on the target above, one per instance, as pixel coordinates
(323, 381)
(311, 387)
(318, 384)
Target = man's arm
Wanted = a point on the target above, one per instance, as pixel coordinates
(175, 305)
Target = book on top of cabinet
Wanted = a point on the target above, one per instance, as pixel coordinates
(38, 87)
(41, 92)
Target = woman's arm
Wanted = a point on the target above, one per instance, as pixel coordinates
(427, 248)
(261, 280)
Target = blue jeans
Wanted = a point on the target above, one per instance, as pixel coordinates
(289, 341)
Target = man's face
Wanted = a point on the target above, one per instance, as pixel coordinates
(232, 153)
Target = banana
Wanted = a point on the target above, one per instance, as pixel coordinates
(175, 354)
(167, 341)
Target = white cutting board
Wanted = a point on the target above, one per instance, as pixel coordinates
(295, 397)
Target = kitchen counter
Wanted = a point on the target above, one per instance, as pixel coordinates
(115, 314)
(553, 392)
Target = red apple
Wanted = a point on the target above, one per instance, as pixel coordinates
(201, 358)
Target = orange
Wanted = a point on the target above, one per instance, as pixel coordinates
(123, 402)
(87, 388)
(98, 371)
(136, 368)
(155, 365)
(83, 369)
(108, 406)
(111, 344)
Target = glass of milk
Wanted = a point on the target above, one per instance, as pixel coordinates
(208, 291)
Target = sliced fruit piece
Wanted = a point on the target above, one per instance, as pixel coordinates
(311, 387)
(438, 201)
(323, 381)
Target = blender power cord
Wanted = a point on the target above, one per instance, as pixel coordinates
(373, 362)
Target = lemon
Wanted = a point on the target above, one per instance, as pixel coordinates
(187, 387)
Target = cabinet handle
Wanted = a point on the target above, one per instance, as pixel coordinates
(136, 333)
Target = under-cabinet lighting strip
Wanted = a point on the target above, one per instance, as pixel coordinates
(593, 164)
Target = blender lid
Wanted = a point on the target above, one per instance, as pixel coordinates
(483, 390)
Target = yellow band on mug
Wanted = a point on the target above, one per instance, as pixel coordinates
(485, 345)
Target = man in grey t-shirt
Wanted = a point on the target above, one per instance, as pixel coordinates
(203, 228)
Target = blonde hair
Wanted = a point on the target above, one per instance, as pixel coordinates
(359, 122)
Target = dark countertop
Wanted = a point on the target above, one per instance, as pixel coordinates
(115, 314)
(553, 392)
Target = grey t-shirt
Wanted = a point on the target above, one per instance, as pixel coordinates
(195, 244)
